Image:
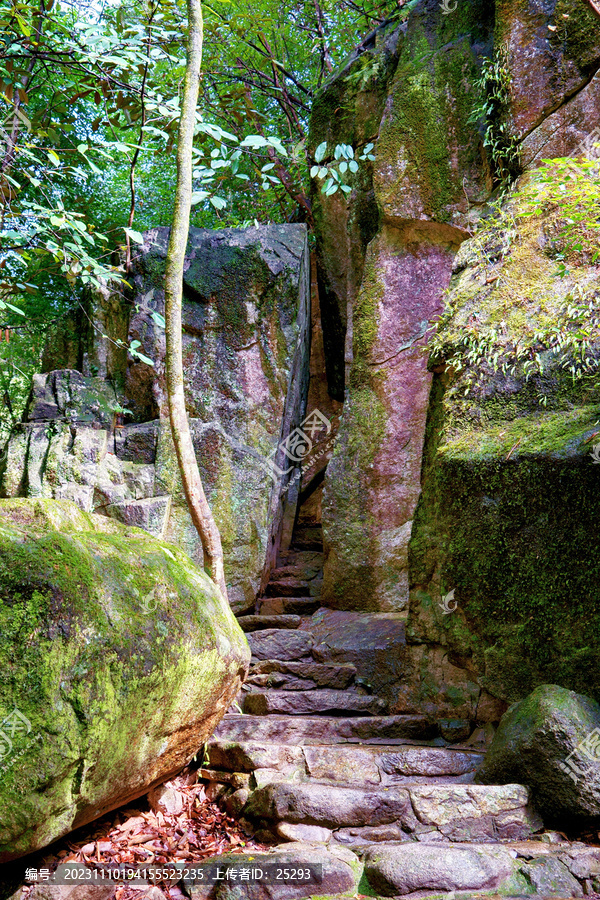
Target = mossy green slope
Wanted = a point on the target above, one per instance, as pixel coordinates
(508, 514)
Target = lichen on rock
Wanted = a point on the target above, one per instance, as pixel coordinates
(118, 657)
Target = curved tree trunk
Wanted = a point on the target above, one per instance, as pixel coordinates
(188, 465)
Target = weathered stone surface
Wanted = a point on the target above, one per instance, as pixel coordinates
(275, 643)
(303, 730)
(288, 587)
(332, 676)
(328, 805)
(508, 489)
(151, 514)
(442, 804)
(551, 878)
(341, 872)
(246, 315)
(374, 644)
(413, 207)
(105, 699)
(281, 682)
(306, 703)
(350, 765)
(548, 742)
(248, 756)
(308, 833)
(137, 442)
(358, 837)
(259, 623)
(430, 761)
(540, 42)
(367, 531)
(277, 606)
(568, 131)
(406, 868)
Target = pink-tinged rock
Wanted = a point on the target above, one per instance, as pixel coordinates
(550, 57)
(568, 131)
(373, 481)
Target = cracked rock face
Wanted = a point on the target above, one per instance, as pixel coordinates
(118, 657)
(246, 337)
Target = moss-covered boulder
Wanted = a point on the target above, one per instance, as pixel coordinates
(118, 657)
(550, 741)
(506, 526)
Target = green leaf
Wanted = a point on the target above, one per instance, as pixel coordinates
(158, 319)
(14, 308)
(320, 152)
(134, 236)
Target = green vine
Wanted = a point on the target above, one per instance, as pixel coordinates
(502, 146)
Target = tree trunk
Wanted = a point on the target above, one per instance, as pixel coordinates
(188, 465)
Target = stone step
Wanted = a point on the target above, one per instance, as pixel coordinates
(277, 606)
(318, 674)
(346, 764)
(259, 623)
(325, 730)
(309, 561)
(304, 573)
(323, 701)
(523, 868)
(280, 643)
(288, 587)
(453, 812)
(417, 870)
(308, 537)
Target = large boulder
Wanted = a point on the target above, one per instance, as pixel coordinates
(505, 550)
(97, 430)
(406, 218)
(550, 741)
(118, 658)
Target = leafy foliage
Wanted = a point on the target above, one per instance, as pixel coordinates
(563, 198)
(500, 143)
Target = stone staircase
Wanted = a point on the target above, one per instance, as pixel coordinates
(313, 760)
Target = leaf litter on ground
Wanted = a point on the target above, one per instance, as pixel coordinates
(181, 826)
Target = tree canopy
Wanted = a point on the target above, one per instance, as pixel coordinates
(89, 109)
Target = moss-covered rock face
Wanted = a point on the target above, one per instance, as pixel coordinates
(348, 110)
(390, 275)
(508, 516)
(552, 52)
(548, 741)
(246, 319)
(428, 163)
(118, 657)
